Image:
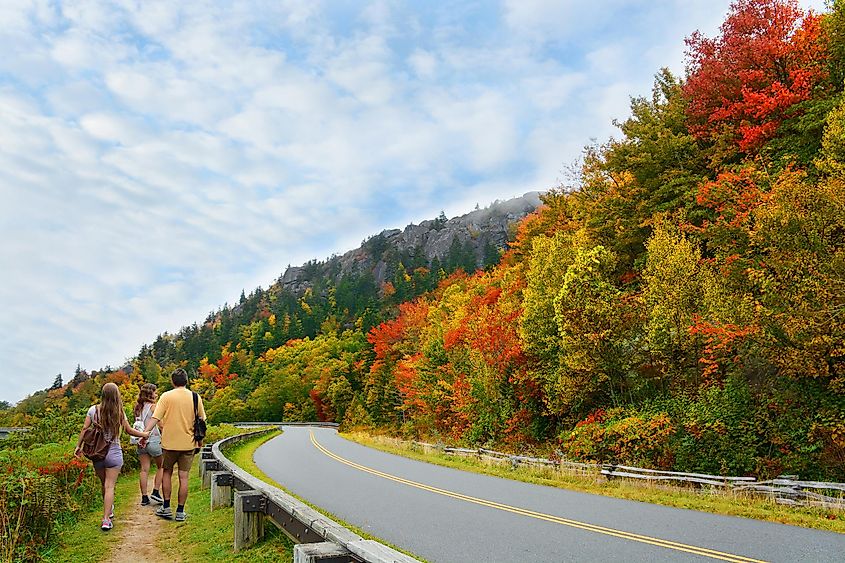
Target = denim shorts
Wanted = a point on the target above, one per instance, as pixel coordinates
(153, 448)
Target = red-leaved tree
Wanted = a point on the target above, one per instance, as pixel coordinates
(768, 57)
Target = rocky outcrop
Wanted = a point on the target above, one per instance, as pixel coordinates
(432, 241)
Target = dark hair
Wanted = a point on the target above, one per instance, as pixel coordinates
(144, 396)
(179, 377)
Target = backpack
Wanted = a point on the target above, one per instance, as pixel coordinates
(139, 426)
(199, 424)
(94, 444)
(140, 422)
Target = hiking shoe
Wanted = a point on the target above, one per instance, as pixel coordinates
(106, 525)
(164, 512)
(156, 498)
(145, 501)
(181, 516)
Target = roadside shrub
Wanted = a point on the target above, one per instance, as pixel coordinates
(613, 437)
(28, 503)
(37, 499)
(716, 431)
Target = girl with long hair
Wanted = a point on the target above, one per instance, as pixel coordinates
(111, 417)
(144, 408)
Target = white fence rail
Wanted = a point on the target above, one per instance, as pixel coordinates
(785, 489)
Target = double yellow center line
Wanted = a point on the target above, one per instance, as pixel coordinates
(702, 551)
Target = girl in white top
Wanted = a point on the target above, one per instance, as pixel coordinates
(152, 451)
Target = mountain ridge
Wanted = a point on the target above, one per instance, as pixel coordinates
(431, 240)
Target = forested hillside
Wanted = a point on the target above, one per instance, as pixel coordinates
(682, 306)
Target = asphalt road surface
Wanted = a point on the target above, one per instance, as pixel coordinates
(446, 515)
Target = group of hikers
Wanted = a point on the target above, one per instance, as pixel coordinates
(165, 433)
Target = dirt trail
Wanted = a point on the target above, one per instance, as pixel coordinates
(139, 528)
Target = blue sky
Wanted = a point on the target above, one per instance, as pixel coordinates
(158, 157)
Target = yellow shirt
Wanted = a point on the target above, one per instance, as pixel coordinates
(175, 410)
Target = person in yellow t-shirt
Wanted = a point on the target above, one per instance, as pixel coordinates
(175, 410)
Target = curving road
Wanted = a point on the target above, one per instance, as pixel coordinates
(443, 514)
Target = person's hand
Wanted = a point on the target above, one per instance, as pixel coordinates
(143, 441)
(78, 451)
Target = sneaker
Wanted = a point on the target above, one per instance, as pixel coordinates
(106, 525)
(164, 512)
(156, 498)
(145, 501)
(181, 516)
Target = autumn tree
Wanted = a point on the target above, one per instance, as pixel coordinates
(674, 279)
(768, 57)
(597, 323)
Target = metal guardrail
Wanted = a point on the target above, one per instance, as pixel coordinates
(318, 537)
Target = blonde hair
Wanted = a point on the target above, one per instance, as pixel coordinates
(148, 391)
(111, 411)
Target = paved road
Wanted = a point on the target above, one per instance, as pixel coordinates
(443, 514)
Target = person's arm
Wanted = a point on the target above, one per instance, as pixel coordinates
(150, 424)
(158, 413)
(78, 451)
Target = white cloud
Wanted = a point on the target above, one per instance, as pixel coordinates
(558, 20)
(423, 63)
(110, 127)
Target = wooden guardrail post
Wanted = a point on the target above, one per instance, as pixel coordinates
(249, 518)
(204, 453)
(206, 467)
(221, 489)
(321, 551)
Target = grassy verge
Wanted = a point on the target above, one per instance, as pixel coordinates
(207, 535)
(242, 455)
(719, 502)
(84, 541)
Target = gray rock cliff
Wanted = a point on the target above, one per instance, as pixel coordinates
(433, 241)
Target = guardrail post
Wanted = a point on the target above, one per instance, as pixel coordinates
(322, 552)
(203, 454)
(249, 518)
(206, 466)
(221, 489)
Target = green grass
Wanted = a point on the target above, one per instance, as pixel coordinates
(208, 535)
(83, 540)
(719, 502)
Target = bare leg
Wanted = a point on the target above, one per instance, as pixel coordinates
(144, 474)
(108, 493)
(101, 475)
(166, 482)
(157, 482)
(183, 486)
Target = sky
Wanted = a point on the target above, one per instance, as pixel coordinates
(156, 158)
